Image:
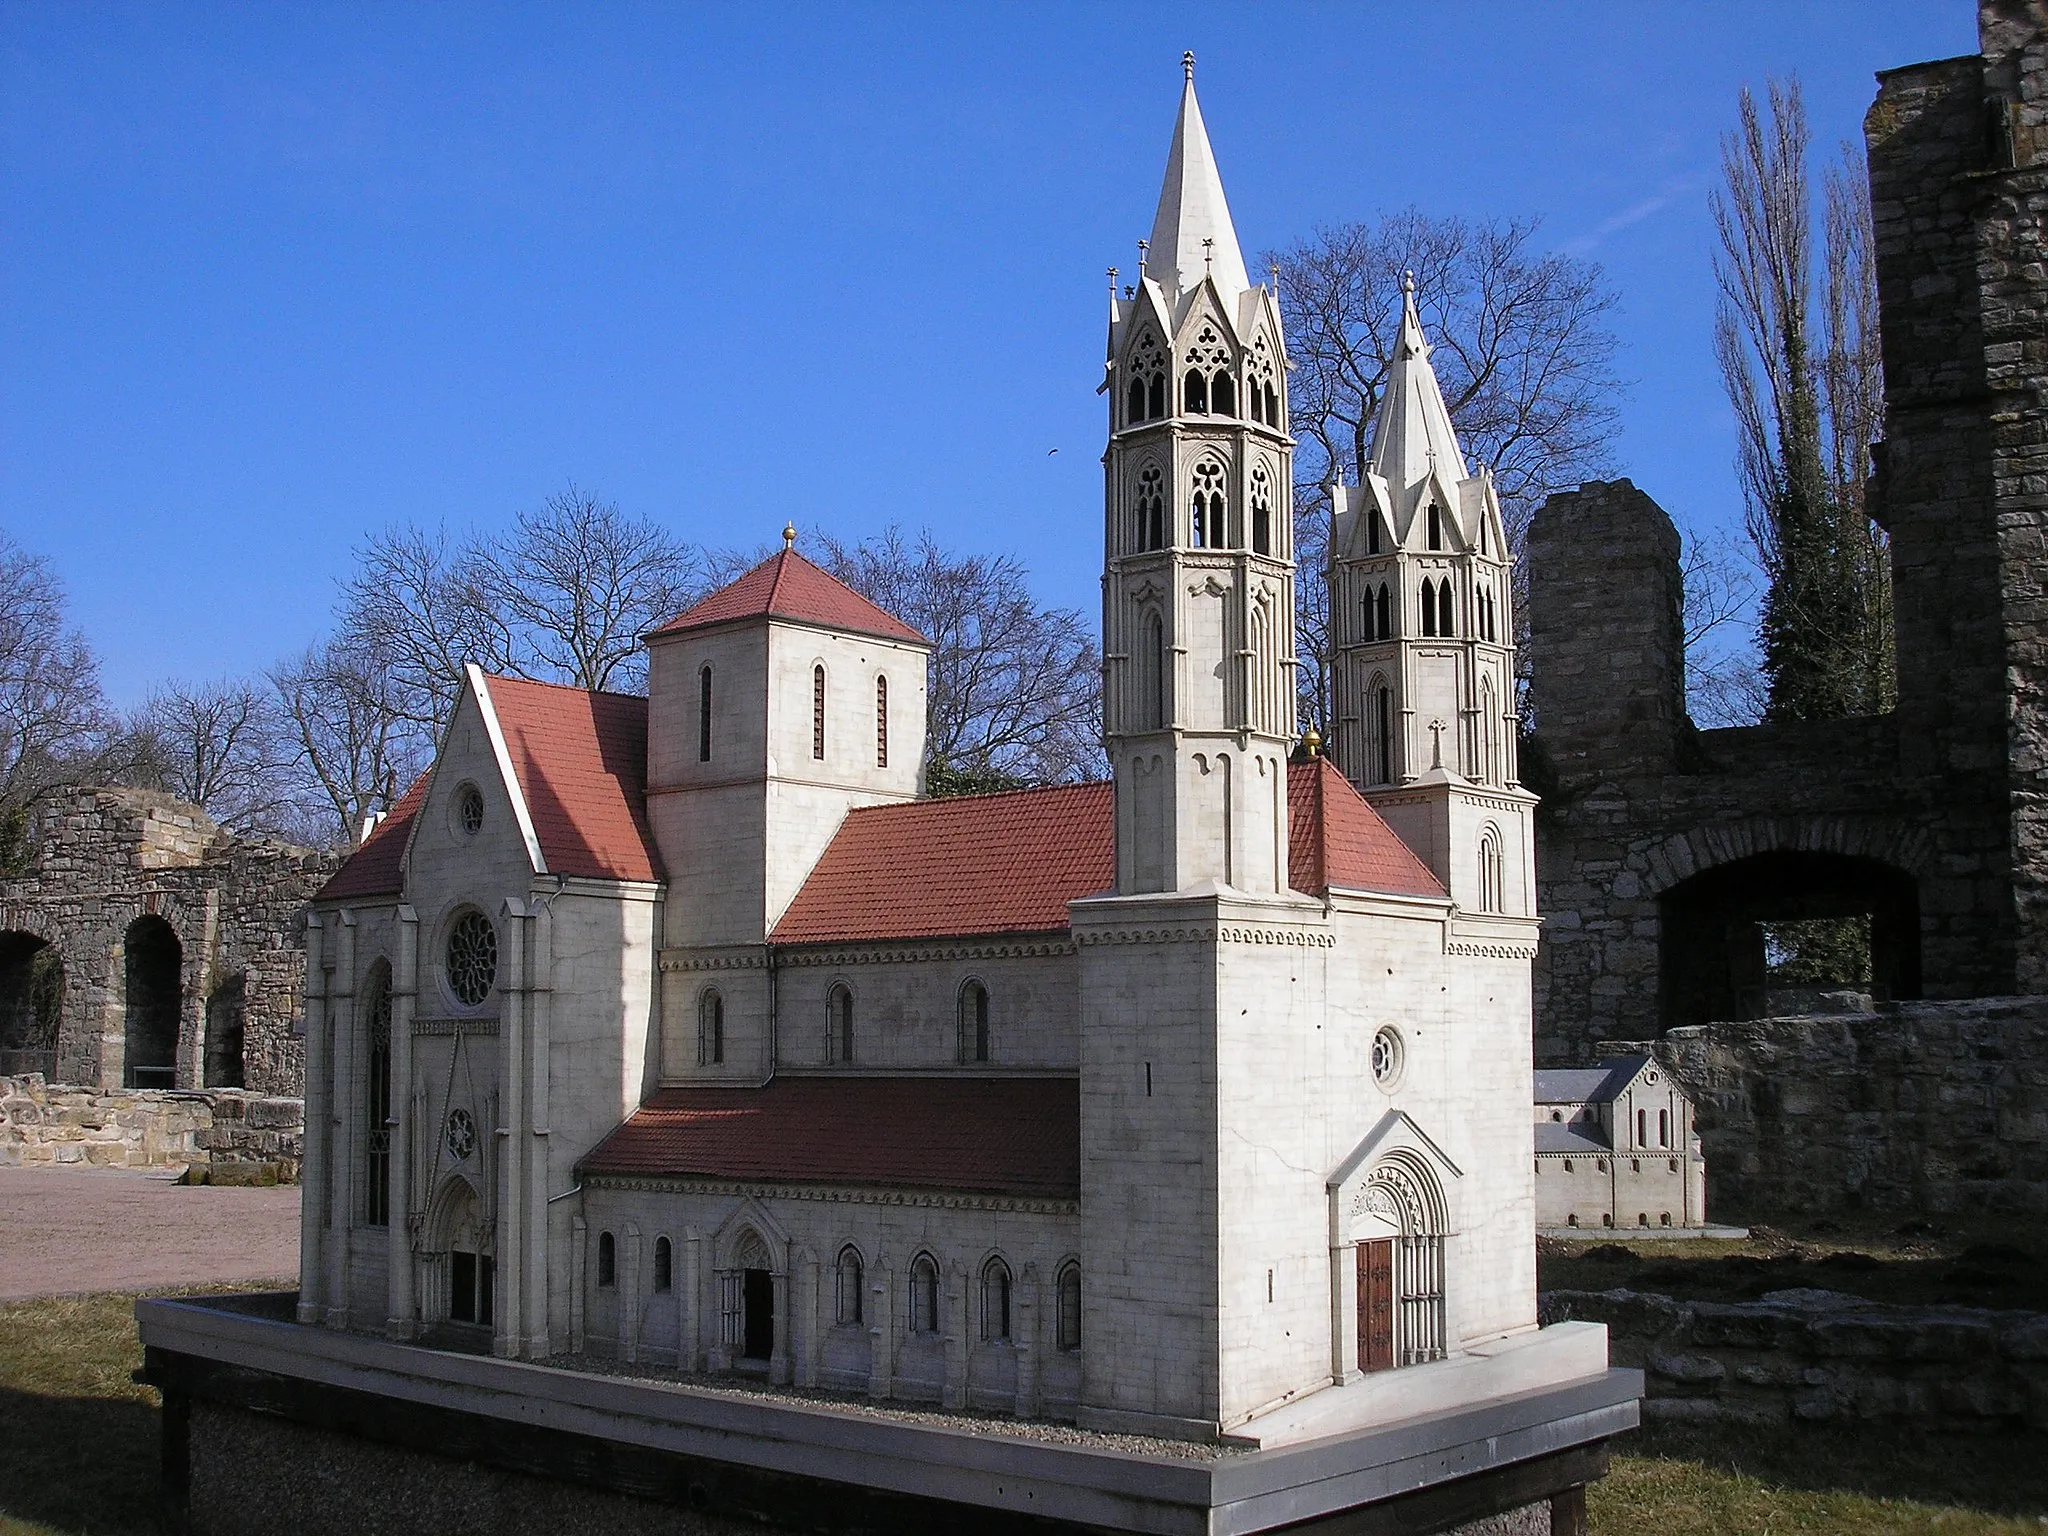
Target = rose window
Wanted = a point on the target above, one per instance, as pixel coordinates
(472, 957)
(1386, 1056)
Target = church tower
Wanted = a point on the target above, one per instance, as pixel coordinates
(1421, 614)
(1198, 586)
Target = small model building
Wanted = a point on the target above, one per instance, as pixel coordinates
(1615, 1147)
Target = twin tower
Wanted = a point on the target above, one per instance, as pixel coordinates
(1198, 591)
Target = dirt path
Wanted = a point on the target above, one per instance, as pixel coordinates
(64, 1230)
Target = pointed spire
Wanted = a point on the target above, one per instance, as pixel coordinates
(1412, 436)
(1192, 236)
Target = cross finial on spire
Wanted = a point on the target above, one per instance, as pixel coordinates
(1187, 66)
(1208, 255)
(1408, 280)
(789, 535)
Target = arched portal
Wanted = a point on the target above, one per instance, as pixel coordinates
(153, 966)
(460, 1246)
(31, 1004)
(755, 1287)
(1758, 935)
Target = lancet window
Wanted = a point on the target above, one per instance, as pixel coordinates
(1262, 400)
(1152, 673)
(1145, 395)
(1491, 872)
(1209, 510)
(1380, 745)
(710, 1028)
(377, 1101)
(924, 1294)
(1207, 386)
(1262, 512)
(818, 711)
(1436, 526)
(839, 1023)
(847, 1297)
(1150, 508)
(704, 715)
(974, 1041)
(995, 1301)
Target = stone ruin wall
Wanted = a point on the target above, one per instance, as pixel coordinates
(52, 1127)
(107, 857)
(1934, 1099)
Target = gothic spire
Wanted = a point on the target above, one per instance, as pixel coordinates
(1412, 437)
(1192, 235)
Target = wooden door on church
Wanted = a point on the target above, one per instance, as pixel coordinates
(1376, 1305)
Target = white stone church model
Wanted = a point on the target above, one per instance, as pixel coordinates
(681, 1030)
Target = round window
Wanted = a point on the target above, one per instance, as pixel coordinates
(472, 957)
(469, 809)
(1387, 1055)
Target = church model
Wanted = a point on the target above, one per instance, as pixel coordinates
(681, 1030)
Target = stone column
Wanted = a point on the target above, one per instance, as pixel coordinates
(344, 1078)
(784, 1275)
(313, 1174)
(954, 1396)
(538, 1143)
(881, 1330)
(1024, 1335)
(629, 1296)
(399, 1279)
(513, 1238)
(690, 1309)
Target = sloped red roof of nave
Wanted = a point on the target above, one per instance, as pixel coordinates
(787, 586)
(377, 867)
(1010, 863)
(580, 759)
(1010, 1136)
(1334, 838)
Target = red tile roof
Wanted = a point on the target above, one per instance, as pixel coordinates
(581, 761)
(1015, 1136)
(377, 868)
(787, 586)
(1355, 849)
(1005, 863)
(1010, 863)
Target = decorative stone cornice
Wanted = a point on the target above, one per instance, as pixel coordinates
(928, 1199)
(753, 959)
(915, 952)
(1493, 951)
(1299, 938)
(454, 1027)
(1174, 934)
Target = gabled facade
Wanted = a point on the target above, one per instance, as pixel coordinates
(681, 1031)
(1616, 1147)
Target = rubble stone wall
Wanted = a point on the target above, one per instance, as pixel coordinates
(54, 1125)
(105, 858)
(1931, 1106)
(1819, 1356)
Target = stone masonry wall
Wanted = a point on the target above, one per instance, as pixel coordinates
(1818, 1356)
(53, 1125)
(1914, 1107)
(106, 857)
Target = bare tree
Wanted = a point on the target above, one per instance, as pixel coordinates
(1723, 683)
(577, 583)
(1521, 348)
(1808, 401)
(55, 728)
(1014, 689)
(415, 603)
(224, 747)
(351, 739)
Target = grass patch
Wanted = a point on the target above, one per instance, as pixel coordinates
(1916, 1264)
(1862, 1481)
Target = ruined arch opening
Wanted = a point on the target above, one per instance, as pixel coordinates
(226, 1010)
(1766, 934)
(31, 1004)
(153, 963)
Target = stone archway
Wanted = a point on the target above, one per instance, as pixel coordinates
(31, 1003)
(1714, 929)
(153, 996)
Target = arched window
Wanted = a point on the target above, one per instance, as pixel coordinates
(1383, 610)
(881, 722)
(1273, 408)
(1152, 673)
(1134, 406)
(704, 715)
(1372, 533)
(1155, 395)
(664, 1265)
(924, 1294)
(1223, 394)
(1443, 607)
(1151, 508)
(974, 1022)
(1383, 734)
(1491, 871)
(1261, 702)
(1068, 1323)
(710, 1028)
(1209, 520)
(995, 1300)
(1429, 608)
(839, 1023)
(1489, 734)
(1436, 527)
(1262, 512)
(1146, 398)
(1194, 393)
(818, 711)
(377, 1098)
(846, 1286)
(607, 1260)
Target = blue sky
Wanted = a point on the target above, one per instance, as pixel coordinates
(274, 276)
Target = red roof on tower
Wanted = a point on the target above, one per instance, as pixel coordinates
(787, 586)
(1334, 838)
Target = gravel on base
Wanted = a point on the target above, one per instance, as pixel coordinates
(989, 1424)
